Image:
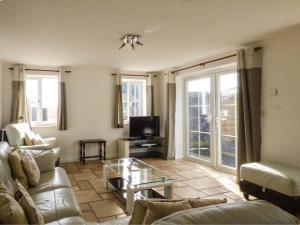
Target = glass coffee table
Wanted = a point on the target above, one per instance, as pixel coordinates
(133, 179)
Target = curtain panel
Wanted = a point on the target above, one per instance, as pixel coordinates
(249, 104)
(62, 123)
(118, 112)
(19, 107)
(170, 115)
(150, 95)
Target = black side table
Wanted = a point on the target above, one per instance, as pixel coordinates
(102, 149)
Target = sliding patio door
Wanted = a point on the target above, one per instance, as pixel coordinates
(211, 119)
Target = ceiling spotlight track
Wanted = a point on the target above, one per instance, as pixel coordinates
(132, 40)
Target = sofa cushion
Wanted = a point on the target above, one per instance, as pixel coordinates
(252, 212)
(5, 172)
(275, 176)
(32, 213)
(15, 162)
(10, 210)
(75, 220)
(157, 210)
(31, 169)
(54, 179)
(57, 204)
(198, 202)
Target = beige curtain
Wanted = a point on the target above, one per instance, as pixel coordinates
(249, 102)
(19, 108)
(62, 123)
(170, 115)
(118, 112)
(150, 95)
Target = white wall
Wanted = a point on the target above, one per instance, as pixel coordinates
(280, 120)
(90, 96)
(280, 114)
(90, 105)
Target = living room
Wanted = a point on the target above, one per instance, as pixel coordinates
(84, 58)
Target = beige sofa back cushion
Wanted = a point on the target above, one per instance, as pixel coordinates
(10, 210)
(33, 214)
(15, 161)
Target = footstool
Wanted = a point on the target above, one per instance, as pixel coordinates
(273, 182)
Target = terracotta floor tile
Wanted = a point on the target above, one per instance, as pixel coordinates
(189, 174)
(106, 208)
(105, 219)
(188, 192)
(87, 196)
(192, 180)
(214, 191)
(84, 185)
(75, 188)
(202, 183)
(85, 207)
(89, 216)
(107, 195)
(87, 175)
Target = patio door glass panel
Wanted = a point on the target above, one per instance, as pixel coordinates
(199, 109)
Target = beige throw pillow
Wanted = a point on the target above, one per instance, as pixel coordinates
(157, 210)
(30, 167)
(15, 161)
(10, 210)
(28, 139)
(197, 202)
(140, 209)
(33, 214)
(37, 139)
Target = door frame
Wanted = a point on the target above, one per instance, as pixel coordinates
(214, 141)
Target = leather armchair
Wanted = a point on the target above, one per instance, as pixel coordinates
(16, 136)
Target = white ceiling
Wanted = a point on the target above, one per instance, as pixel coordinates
(174, 32)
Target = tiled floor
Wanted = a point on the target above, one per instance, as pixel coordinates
(192, 180)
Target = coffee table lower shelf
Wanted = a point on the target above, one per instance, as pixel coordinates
(119, 185)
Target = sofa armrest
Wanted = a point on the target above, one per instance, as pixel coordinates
(45, 159)
(36, 147)
(50, 141)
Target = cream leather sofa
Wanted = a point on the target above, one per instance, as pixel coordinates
(53, 196)
(16, 135)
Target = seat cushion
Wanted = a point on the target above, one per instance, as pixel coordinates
(252, 212)
(56, 151)
(57, 204)
(51, 180)
(278, 177)
(69, 221)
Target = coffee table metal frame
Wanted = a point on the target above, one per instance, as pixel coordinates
(132, 189)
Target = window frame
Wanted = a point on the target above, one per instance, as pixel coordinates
(143, 94)
(39, 77)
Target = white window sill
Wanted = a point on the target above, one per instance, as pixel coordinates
(41, 125)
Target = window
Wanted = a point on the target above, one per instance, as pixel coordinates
(42, 98)
(134, 98)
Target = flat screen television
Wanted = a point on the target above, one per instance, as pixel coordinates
(144, 126)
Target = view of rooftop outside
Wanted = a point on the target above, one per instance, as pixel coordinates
(42, 98)
(199, 114)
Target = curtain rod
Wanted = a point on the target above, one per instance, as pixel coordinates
(210, 61)
(133, 75)
(203, 63)
(38, 70)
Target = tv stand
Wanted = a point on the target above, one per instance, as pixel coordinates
(141, 147)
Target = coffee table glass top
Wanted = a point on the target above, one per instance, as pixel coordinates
(135, 171)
